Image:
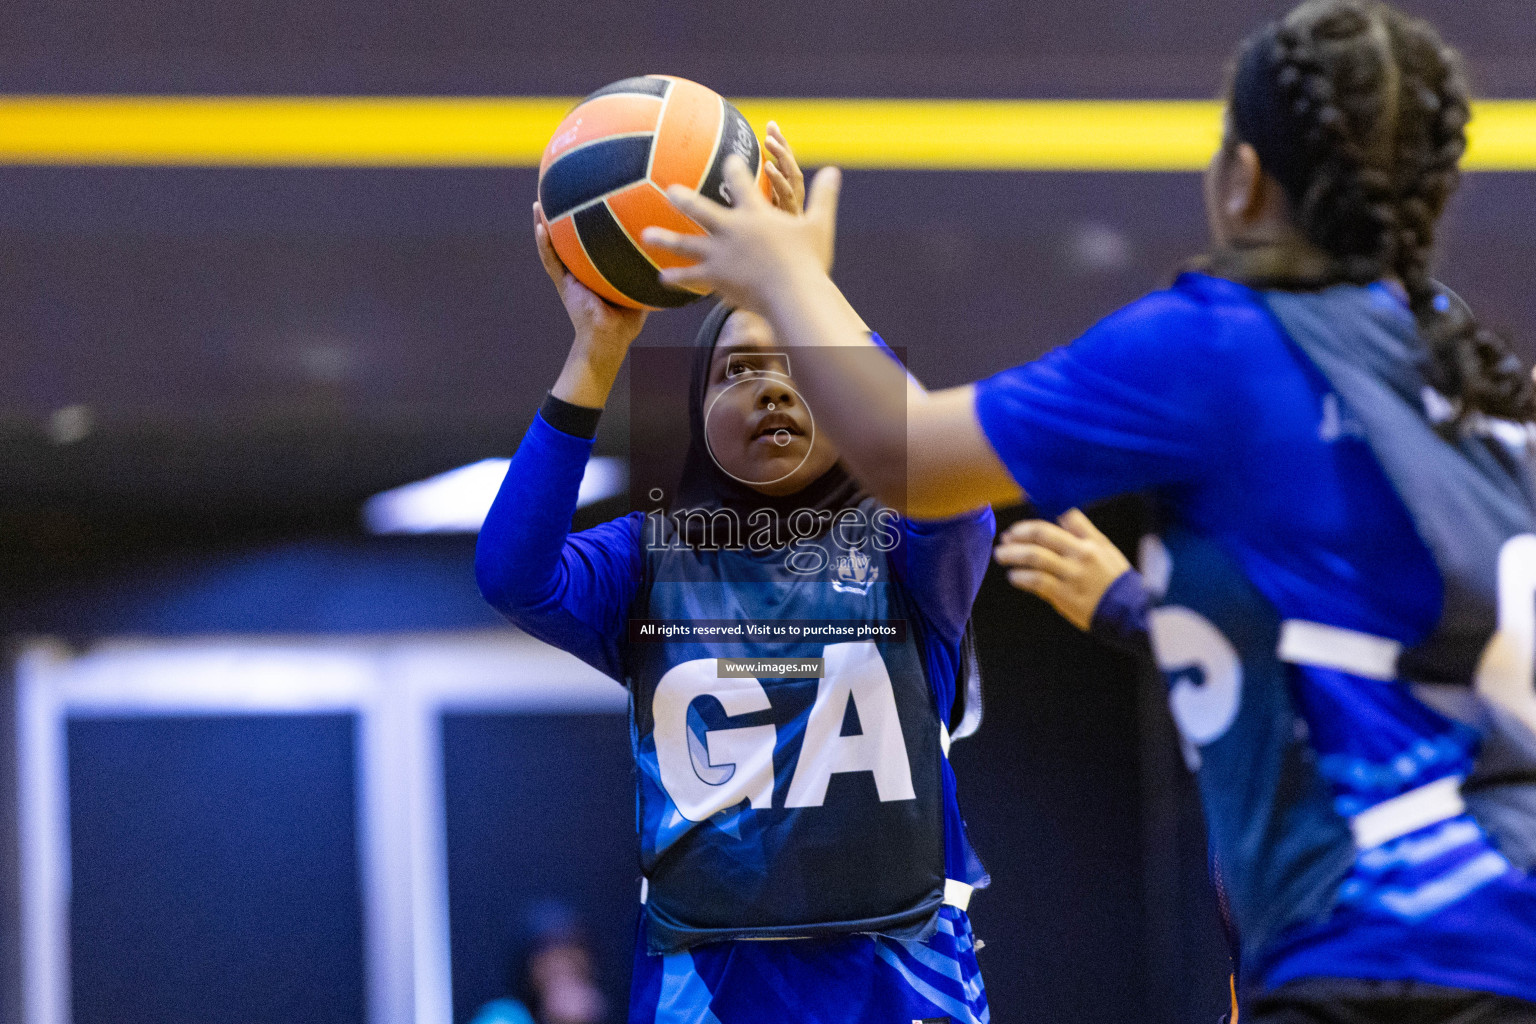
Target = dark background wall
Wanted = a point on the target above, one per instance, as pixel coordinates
(256, 351)
(214, 869)
(556, 830)
(853, 47)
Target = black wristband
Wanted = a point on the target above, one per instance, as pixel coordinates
(576, 420)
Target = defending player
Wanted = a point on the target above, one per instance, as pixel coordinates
(1343, 457)
(764, 813)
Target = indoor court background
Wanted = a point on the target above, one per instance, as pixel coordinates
(205, 372)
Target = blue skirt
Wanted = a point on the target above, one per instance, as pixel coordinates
(850, 979)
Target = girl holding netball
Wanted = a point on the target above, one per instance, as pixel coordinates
(1342, 455)
(813, 804)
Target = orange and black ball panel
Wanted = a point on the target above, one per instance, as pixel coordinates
(603, 177)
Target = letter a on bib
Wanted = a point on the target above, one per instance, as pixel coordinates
(856, 672)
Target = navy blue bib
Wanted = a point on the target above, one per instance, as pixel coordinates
(781, 807)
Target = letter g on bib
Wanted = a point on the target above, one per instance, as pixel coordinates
(740, 759)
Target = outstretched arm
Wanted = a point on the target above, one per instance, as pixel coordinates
(1077, 571)
(921, 452)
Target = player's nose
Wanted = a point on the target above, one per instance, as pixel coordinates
(774, 391)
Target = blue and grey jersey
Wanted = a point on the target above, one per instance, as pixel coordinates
(1357, 723)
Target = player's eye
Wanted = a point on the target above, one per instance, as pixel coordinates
(755, 364)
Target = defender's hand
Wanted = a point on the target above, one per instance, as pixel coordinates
(784, 172)
(753, 251)
(1069, 566)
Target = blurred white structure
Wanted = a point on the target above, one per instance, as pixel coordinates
(457, 501)
(398, 687)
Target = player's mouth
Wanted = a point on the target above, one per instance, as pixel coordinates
(777, 428)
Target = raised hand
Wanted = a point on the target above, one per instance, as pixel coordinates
(596, 320)
(1069, 566)
(753, 251)
(783, 172)
(603, 331)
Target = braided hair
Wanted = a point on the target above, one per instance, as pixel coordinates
(1359, 112)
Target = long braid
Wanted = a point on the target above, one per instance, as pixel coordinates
(1470, 362)
(1377, 106)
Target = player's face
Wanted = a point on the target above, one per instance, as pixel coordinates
(757, 425)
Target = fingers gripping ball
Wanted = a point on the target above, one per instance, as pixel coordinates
(604, 176)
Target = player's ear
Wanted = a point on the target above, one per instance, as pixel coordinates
(1243, 181)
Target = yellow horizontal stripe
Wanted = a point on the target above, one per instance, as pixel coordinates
(1502, 136)
(259, 131)
(997, 135)
(1006, 135)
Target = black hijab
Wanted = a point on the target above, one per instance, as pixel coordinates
(706, 487)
